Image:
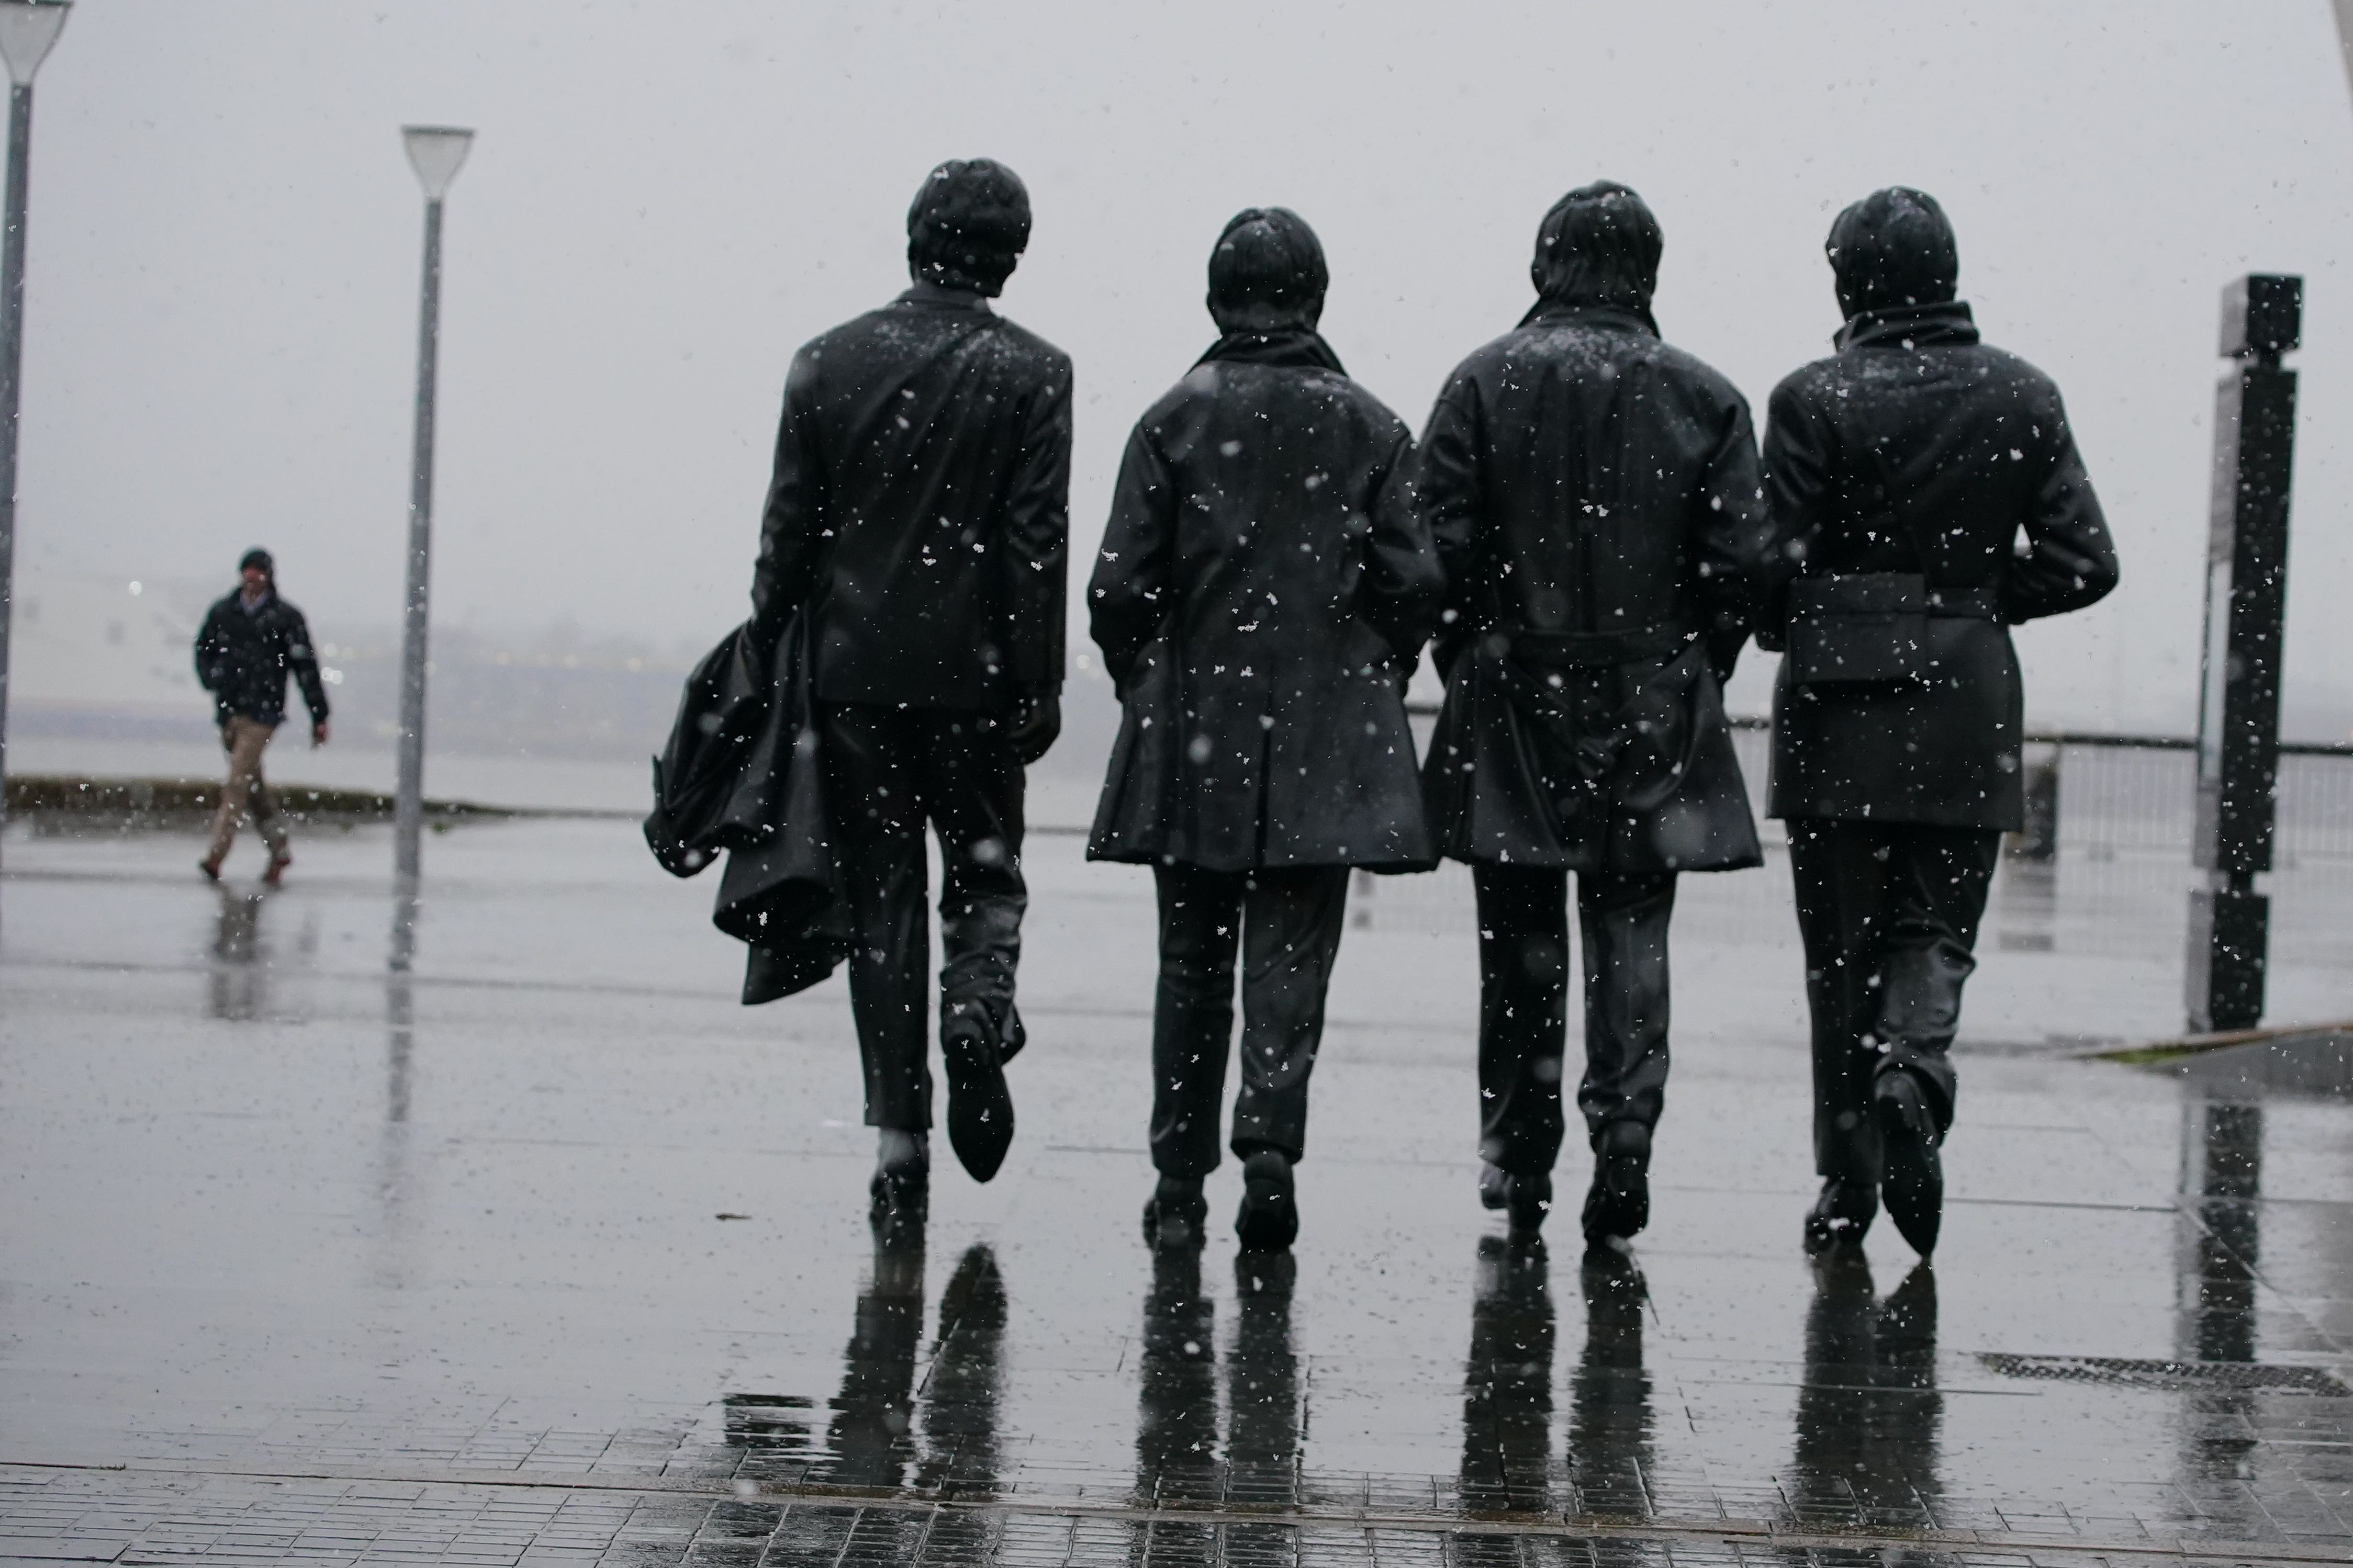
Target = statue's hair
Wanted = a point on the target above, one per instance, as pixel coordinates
(1894, 247)
(968, 224)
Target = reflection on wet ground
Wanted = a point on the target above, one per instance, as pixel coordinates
(523, 1199)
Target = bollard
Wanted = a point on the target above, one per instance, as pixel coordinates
(2246, 603)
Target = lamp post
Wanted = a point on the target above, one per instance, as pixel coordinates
(436, 153)
(28, 28)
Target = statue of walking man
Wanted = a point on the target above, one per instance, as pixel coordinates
(920, 515)
(1593, 498)
(1932, 496)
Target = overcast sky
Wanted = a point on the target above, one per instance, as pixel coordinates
(665, 199)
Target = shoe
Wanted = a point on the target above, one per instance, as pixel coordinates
(980, 1108)
(1529, 1200)
(1177, 1214)
(1914, 1187)
(276, 870)
(1269, 1218)
(1494, 1186)
(211, 868)
(1617, 1205)
(1841, 1215)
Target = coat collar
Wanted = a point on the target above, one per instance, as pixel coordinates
(1295, 348)
(1908, 326)
(937, 298)
(1609, 318)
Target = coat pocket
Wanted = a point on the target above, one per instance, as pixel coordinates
(1860, 629)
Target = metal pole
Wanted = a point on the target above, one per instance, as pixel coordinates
(12, 359)
(408, 806)
(2246, 609)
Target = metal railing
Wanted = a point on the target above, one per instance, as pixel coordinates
(2104, 794)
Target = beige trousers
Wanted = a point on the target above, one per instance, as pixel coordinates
(246, 794)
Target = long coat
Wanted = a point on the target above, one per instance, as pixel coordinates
(243, 659)
(1917, 448)
(920, 506)
(742, 776)
(1593, 494)
(1264, 592)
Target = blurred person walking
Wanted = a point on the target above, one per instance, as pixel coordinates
(251, 640)
(1593, 494)
(919, 515)
(1932, 496)
(1263, 594)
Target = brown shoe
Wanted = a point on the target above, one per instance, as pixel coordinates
(276, 872)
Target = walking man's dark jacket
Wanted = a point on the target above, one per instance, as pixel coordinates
(931, 409)
(243, 657)
(1917, 448)
(1264, 592)
(1594, 497)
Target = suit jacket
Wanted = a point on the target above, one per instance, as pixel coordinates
(920, 504)
(1917, 448)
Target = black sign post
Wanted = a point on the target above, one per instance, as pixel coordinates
(2246, 607)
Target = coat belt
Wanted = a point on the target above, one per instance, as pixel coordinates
(1582, 650)
(1965, 603)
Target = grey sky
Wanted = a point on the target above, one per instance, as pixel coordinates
(665, 199)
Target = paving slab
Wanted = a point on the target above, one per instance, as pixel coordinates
(549, 1251)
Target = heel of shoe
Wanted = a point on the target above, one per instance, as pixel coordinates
(1528, 1204)
(1177, 1215)
(1269, 1218)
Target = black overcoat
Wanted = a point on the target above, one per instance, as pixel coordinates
(1593, 494)
(920, 506)
(743, 775)
(1917, 448)
(243, 659)
(1264, 592)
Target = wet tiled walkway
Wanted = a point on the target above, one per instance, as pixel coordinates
(550, 1252)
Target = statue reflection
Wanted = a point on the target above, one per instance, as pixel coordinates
(963, 1392)
(1869, 1411)
(1610, 1424)
(240, 967)
(1176, 1416)
(871, 1441)
(1262, 1384)
(1507, 1381)
(887, 1433)
(962, 1397)
(1176, 1457)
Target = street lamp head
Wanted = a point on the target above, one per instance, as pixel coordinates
(28, 28)
(435, 152)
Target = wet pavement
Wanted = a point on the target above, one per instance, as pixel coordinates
(548, 1250)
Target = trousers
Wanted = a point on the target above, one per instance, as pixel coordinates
(1286, 923)
(246, 794)
(889, 773)
(1889, 914)
(1524, 1006)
